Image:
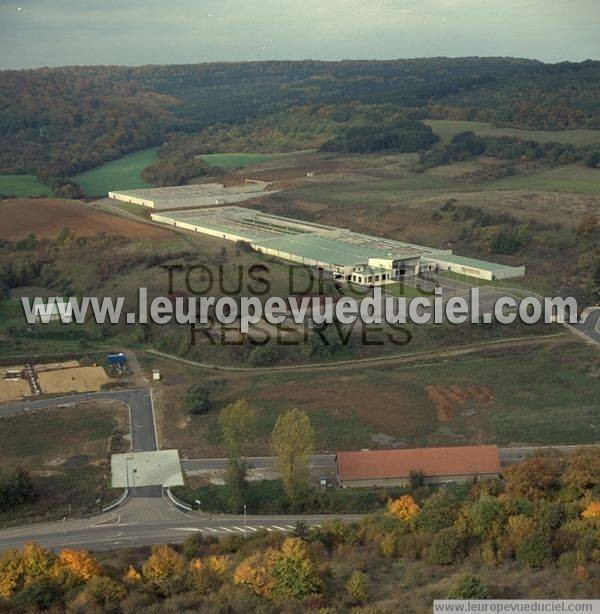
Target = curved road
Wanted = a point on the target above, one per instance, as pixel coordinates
(590, 327)
(138, 401)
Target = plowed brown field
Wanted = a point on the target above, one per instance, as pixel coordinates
(46, 217)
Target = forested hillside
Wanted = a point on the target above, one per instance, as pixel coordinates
(57, 122)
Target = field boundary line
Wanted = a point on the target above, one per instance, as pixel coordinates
(456, 351)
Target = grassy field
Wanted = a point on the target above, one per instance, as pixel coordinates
(551, 401)
(121, 174)
(446, 129)
(230, 161)
(66, 451)
(23, 185)
(572, 178)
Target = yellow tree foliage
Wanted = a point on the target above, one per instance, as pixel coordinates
(38, 562)
(517, 529)
(404, 508)
(388, 544)
(238, 426)
(592, 511)
(81, 563)
(132, 576)
(163, 563)
(11, 572)
(256, 571)
(292, 441)
(295, 572)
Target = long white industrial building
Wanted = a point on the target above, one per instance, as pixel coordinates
(349, 256)
(198, 195)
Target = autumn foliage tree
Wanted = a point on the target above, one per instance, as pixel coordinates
(79, 562)
(405, 508)
(536, 477)
(292, 441)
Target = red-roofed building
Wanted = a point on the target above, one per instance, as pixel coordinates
(438, 465)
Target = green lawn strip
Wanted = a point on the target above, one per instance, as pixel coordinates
(124, 173)
(23, 185)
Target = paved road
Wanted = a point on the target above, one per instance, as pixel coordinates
(509, 456)
(143, 433)
(146, 521)
(319, 461)
(591, 327)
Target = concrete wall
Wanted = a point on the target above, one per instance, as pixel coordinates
(405, 480)
(131, 199)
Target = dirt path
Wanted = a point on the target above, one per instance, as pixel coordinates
(554, 339)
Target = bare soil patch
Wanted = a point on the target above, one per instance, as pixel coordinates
(445, 399)
(46, 217)
(78, 379)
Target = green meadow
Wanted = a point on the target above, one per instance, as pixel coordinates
(124, 173)
(571, 178)
(229, 161)
(23, 185)
(446, 129)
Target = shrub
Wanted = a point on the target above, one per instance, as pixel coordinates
(468, 586)
(403, 508)
(534, 551)
(263, 356)
(41, 593)
(294, 571)
(446, 547)
(592, 511)
(484, 515)
(357, 586)
(197, 399)
(438, 512)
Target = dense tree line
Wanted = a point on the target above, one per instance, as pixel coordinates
(175, 170)
(466, 145)
(55, 122)
(404, 136)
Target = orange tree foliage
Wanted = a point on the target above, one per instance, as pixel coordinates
(81, 563)
(592, 511)
(404, 508)
(535, 478)
(132, 576)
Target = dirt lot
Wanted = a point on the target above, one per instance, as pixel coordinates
(13, 390)
(78, 379)
(446, 399)
(46, 217)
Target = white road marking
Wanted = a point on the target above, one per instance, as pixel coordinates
(189, 529)
(239, 529)
(280, 528)
(289, 526)
(226, 529)
(211, 529)
(252, 529)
